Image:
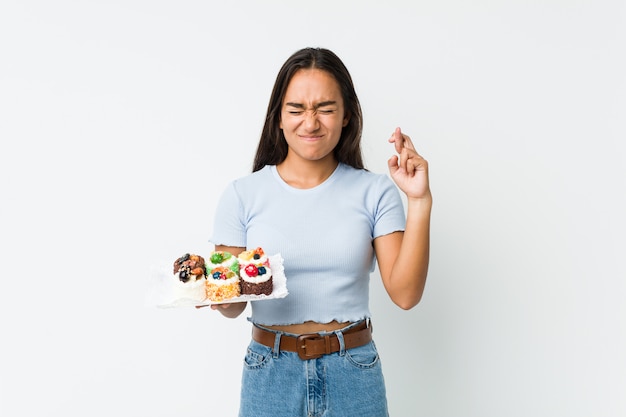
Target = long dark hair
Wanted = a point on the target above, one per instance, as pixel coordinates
(272, 149)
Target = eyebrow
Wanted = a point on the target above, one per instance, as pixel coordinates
(316, 106)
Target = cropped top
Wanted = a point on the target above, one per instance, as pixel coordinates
(324, 234)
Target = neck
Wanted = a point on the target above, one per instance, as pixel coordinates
(306, 174)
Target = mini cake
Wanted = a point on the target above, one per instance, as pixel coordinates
(222, 276)
(190, 277)
(255, 272)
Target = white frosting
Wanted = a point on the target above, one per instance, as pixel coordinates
(259, 278)
(193, 289)
(226, 264)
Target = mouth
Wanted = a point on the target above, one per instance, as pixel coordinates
(310, 138)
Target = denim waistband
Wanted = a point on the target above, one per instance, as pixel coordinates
(322, 333)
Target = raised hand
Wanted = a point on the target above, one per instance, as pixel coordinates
(408, 169)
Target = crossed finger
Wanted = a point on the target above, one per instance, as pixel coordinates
(401, 141)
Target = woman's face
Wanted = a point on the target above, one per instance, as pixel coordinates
(312, 115)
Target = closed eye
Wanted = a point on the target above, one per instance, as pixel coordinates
(326, 107)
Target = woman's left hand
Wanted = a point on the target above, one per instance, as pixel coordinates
(408, 169)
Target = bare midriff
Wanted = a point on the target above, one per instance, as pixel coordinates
(309, 327)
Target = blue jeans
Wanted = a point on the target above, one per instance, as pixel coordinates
(348, 383)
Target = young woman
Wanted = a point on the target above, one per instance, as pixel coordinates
(310, 199)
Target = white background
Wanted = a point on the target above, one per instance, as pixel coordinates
(122, 121)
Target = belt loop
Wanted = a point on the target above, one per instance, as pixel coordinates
(327, 348)
(276, 349)
(342, 343)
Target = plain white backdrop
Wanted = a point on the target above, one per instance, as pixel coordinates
(122, 121)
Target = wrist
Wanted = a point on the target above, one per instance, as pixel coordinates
(420, 203)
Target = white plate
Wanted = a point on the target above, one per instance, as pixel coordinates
(160, 292)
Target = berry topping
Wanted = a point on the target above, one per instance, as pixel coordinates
(222, 273)
(183, 276)
(251, 270)
(262, 270)
(189, 267)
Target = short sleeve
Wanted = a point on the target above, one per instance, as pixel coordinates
(389, 216)
(229, 226)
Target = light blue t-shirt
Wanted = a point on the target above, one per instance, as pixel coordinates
(325, 235)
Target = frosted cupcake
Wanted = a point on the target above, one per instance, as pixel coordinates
(255, 272)
(190, 277)
(222, 276)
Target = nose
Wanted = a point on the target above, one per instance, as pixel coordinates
(310, 121)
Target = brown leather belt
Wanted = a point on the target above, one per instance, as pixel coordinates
(314, 345)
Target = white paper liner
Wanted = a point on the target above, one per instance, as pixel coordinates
(161, 290)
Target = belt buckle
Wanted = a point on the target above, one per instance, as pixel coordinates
(301, 346)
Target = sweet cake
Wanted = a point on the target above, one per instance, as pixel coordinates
(222, 276)
(255, 272)
(190, 277)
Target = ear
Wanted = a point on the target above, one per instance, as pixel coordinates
(345, 121)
